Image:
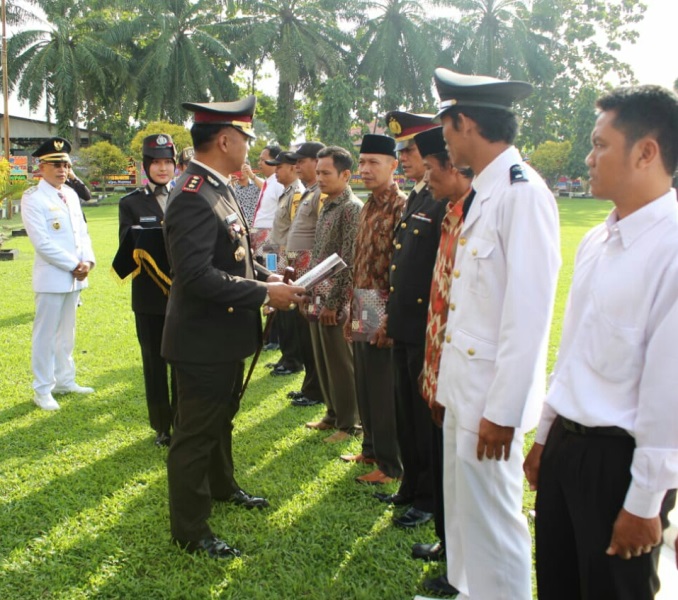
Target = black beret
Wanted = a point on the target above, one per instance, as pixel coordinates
(378, 144)
(456, 89)
(238, 114)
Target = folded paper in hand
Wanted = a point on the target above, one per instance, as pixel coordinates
(322, 271)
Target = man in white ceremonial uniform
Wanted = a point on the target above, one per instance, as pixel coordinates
(55, 225)
(605, 458)
(492, 370)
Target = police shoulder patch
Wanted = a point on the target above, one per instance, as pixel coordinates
(193, 184)
(518, 174)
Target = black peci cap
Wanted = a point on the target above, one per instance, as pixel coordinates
(237, 114)
(430, 142)
(159, 145)
(55, 149)
(308, 150)
(378, 144)
(457, 89)
(404, 126)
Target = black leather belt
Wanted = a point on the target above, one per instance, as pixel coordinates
(579, 429)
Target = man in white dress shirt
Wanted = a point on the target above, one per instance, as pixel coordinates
(53, 219)
(605, 458)
(493, 363)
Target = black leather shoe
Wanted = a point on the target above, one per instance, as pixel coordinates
(212, 546)
(162, 439)
(295, 395)
(283, 370)
(242, 498)
(304, 401)
(395, 499)
(429, 552)
(440, 586)
(412, 518)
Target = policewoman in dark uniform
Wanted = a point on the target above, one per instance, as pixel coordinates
(213, 321)
(416, 243)
(144, 208)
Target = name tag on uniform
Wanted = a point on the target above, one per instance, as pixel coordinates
(148, 219)
(422, 218)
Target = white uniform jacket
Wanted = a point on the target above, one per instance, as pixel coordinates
(501, 299)
(59, 234)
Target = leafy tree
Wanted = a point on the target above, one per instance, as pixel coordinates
(551, 159)
(180, 135)
(335, 114)
(102, 159)
(175, 55)
(303, 40)
(580, 126)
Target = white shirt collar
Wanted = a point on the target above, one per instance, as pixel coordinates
(497, 171)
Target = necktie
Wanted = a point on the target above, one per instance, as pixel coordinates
(256, 208)
(161, 196)
(468, 202)
(63, 198)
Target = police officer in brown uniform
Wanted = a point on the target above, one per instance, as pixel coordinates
(416, 245)
(144, 208)
(213, 321)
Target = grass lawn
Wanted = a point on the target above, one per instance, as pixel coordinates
(83, 491)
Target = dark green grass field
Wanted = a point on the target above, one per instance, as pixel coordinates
(83, 492)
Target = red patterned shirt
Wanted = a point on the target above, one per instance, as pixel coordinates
(440, 294)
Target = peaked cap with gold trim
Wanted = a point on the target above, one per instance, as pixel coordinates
(404, 126)
(55, 149)
(457, 89)
(237, 114)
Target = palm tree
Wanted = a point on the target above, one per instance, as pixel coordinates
(302, 39)
(58, 61)
(174, 55)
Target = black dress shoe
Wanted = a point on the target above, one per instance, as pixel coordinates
(295, 395)
(395, 499)
(413, 518)
(211, 545)
(162, 439)
(429, 552)
(440, 586)
(242, 498)
(304, 401)
(283, 370)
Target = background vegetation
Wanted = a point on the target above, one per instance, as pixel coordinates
(83, 491)
(117, 65)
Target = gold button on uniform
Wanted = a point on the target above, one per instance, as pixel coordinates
(456, 273)
(420, 301)
(453, 306)
(471, 352)
(403, 226)
(474, 252)
(399, 246)
(393, 267)
(416, 232)
(448, 338)
(230, 309)
(392, 289)
(462, 241)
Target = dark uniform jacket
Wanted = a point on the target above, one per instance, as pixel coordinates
(416, 244)
(141, 209)
(213, 314)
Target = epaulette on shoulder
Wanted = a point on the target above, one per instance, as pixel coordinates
(193, 184)
(134, 191)
(518, 174)
(30, 190)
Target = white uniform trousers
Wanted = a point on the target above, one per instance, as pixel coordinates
(53, 341)
(488, 546)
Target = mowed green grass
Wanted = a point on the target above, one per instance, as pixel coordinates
(83, 491)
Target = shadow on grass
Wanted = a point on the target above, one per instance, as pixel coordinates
(14, 320)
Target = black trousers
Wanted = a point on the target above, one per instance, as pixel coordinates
(160, 397)
(310, 387)
(290, 342)
(583, 480)
(373, 369)
(200, 459)
(413, 418)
